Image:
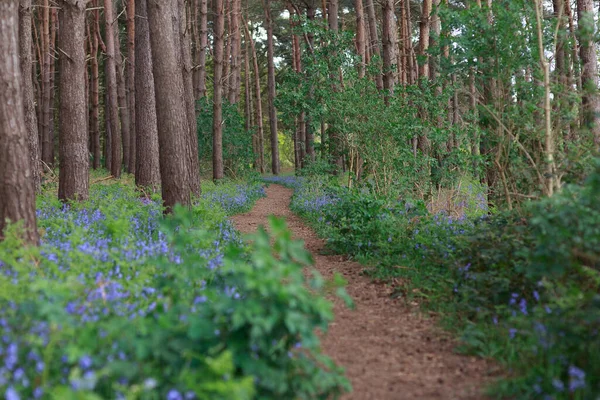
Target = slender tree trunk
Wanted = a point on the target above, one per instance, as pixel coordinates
(131, 84)
(226, 46)
(389, 40)
(73, 181)
(121, 94)
(17, 190)
(271, 88)
(25, 54)
(247, 88)
(374, 45)
(170, 105)
(111, 107)
(46, 59)
(94, 125)
(589, 69)
(410, 51)
(300, 136)
(219, 32)
(424, 38)
(52, 92)
(367, 42)
(236, 49)
(310, 136)
(549, 183)
(259, 113)
(360, 37)
(147, 171)
(107, 125)
(202, 50)
(435, 32)
(186, 69)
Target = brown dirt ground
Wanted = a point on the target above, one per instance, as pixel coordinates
(389, 351)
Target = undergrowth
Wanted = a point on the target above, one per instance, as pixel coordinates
(120, 302)
(520, 287)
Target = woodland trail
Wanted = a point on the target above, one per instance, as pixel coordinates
(388, 350)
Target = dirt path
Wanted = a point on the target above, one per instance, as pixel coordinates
(388, 351)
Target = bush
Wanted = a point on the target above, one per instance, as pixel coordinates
(118, 302)
(521, 287)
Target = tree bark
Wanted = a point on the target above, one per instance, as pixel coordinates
(122, 94)
(589, 69)
(26, 62)
(424, 29)
(389, 40)
(360, 37)
(147, 170)
(201, 67)
(271, 89)
(170, 106)
(17, 191)
(374, 45)
(190, 103)
(310, 137)
(46, 60)
(73, 180)
(236, 49)
(94, 125)
(259, 114)
(111, 107)
(217, 128)
(131, 84)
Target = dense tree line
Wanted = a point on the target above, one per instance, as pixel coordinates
(503, 90)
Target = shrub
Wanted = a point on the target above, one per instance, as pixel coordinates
(119, 302)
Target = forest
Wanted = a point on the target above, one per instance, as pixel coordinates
(299, 199)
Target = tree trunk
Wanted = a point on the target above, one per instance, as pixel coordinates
(271, 88)
(424, 38)
(226, 47)
(259, 114)
(111, 107)
(549, 180)
(17, 191)
(217, 128)
(46, 59)
(389, 40)
(94, 125)
(52, 87)
(360, 37)
(190, 103)
(122, 94)
(247, 88)
(25, 49)
(236, 49)
(374, 45)
(170, 105)
(589, 69)
(410, 51)
(73, 182)
(435, 32)
(201, 67)
(147, 170)
(310, 136)
(131, 83)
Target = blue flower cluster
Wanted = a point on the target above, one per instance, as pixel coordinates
(239, 198)
(95, 262)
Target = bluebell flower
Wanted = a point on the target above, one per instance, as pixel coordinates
(174, 394)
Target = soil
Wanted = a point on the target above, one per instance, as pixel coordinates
(388, 349)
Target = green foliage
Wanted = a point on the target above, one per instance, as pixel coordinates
(238, 154)
(120, 302)
(520, 287)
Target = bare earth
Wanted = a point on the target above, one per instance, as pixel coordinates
(388, 350)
